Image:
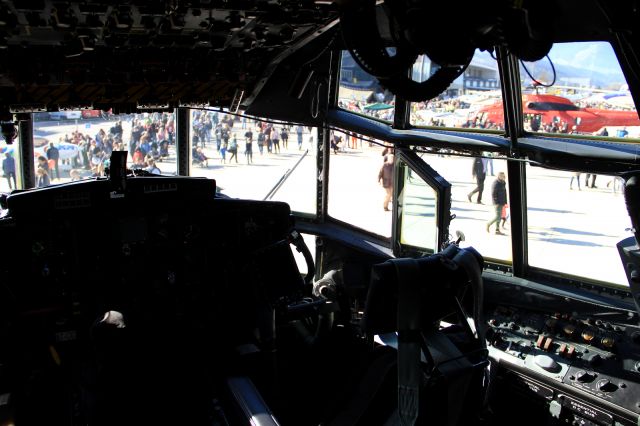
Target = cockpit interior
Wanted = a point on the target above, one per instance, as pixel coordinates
(316, 212)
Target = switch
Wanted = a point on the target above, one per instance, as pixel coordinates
(548, 344)
(605, 385)
(585, 376)
(595, 360)
(540, 341)
(571, 351)
(563, 350)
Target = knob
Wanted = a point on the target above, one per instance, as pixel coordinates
(607, 342)
(585, 376)
(588, 336)
(605, 385)
(547, 363)
(513, 326)
(569, 329)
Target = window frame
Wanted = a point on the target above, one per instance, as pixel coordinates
(440, 186)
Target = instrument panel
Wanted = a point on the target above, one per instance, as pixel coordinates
(586, 368)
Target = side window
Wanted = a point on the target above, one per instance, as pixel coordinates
(10, 165)
(423, 206)
(575, 221)
(255, 159)
(75, 145)
(360, 183)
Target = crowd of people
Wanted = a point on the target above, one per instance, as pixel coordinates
(147, 142)
(231, 135)
(446, 111)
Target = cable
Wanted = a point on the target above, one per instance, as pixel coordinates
(536, 81)
(322, 52)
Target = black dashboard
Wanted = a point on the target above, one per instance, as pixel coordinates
(189, 276)
(114, 298)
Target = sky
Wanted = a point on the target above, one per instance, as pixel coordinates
(595, 56)
(581, 59)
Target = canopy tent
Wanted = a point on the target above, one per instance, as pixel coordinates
(621, 100)
(378, 106)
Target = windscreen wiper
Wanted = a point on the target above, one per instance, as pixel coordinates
(284, 177)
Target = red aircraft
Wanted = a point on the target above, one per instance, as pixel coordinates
(547, 109)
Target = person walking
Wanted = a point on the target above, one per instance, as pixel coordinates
(575, 176)
(499, 196)
(261, 140)
(54, 155)
(275, 141)
(299, 133)
(385, 177)
(248, 146)
(479, 172)
(9, 169)
(233, 148)
(284, 135)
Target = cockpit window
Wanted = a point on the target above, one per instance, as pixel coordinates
(579, 89)
(473, 100)
(75, 145)
(10, 171)
(360, 185)
(361, 93)
(255, 159)
(575, 221)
